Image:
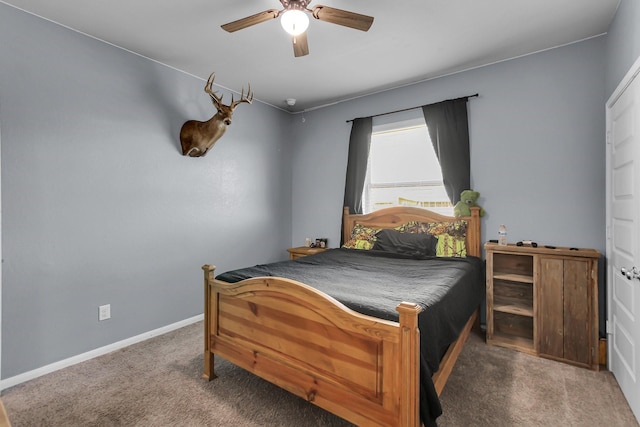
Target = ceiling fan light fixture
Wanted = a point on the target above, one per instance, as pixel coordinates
(294, 22)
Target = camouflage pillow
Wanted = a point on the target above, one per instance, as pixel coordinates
(361, 237)
(451, 246)
(451, 235)
(411, 227)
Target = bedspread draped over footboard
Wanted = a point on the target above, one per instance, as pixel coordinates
(315, 347)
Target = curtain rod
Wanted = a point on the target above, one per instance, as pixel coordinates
(413, 108)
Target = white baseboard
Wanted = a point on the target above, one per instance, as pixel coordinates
(18, 379)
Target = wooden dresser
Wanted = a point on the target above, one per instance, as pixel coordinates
(544, 301)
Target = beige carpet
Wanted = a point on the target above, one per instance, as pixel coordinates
(157, 383)
(494, 386)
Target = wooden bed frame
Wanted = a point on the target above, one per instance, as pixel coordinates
(361, 368)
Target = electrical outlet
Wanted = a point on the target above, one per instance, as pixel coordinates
(104, 312)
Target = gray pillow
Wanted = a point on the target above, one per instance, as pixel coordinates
(413, 244)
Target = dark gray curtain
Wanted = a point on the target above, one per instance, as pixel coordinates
(359, 143)
(449, 130)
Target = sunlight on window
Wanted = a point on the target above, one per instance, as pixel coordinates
(403, 170)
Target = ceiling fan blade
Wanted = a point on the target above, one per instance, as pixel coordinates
(300, 46)
(250, 20)
(343, 17)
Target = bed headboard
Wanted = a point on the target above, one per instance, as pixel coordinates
(398, 215)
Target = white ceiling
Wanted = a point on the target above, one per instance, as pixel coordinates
(409, 41)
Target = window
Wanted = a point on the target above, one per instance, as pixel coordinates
(403, 169)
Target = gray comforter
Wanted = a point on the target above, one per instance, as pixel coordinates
(375, 282)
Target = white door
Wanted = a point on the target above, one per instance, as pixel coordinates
(623, 232)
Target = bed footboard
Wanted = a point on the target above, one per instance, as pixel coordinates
(361, 368)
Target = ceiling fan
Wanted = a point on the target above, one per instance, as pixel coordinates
(295, 21)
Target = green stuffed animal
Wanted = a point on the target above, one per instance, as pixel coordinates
(468, 198)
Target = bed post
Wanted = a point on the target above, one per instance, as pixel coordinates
(208, 356)
(474, 242)
(346, 226)
(409, 381)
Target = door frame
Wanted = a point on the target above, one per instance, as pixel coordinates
(624, 84)
(1, 257)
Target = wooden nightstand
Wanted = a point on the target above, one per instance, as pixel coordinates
(303, 251)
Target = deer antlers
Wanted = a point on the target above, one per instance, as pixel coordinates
(196, 138)
(217, 100)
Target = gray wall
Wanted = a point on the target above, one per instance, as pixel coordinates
(99, 205)
(536, 136)
(536, 140)
(623, 43)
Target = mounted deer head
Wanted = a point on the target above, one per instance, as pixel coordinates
(198, 137)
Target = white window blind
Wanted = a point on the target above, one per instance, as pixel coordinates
(403, 169)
